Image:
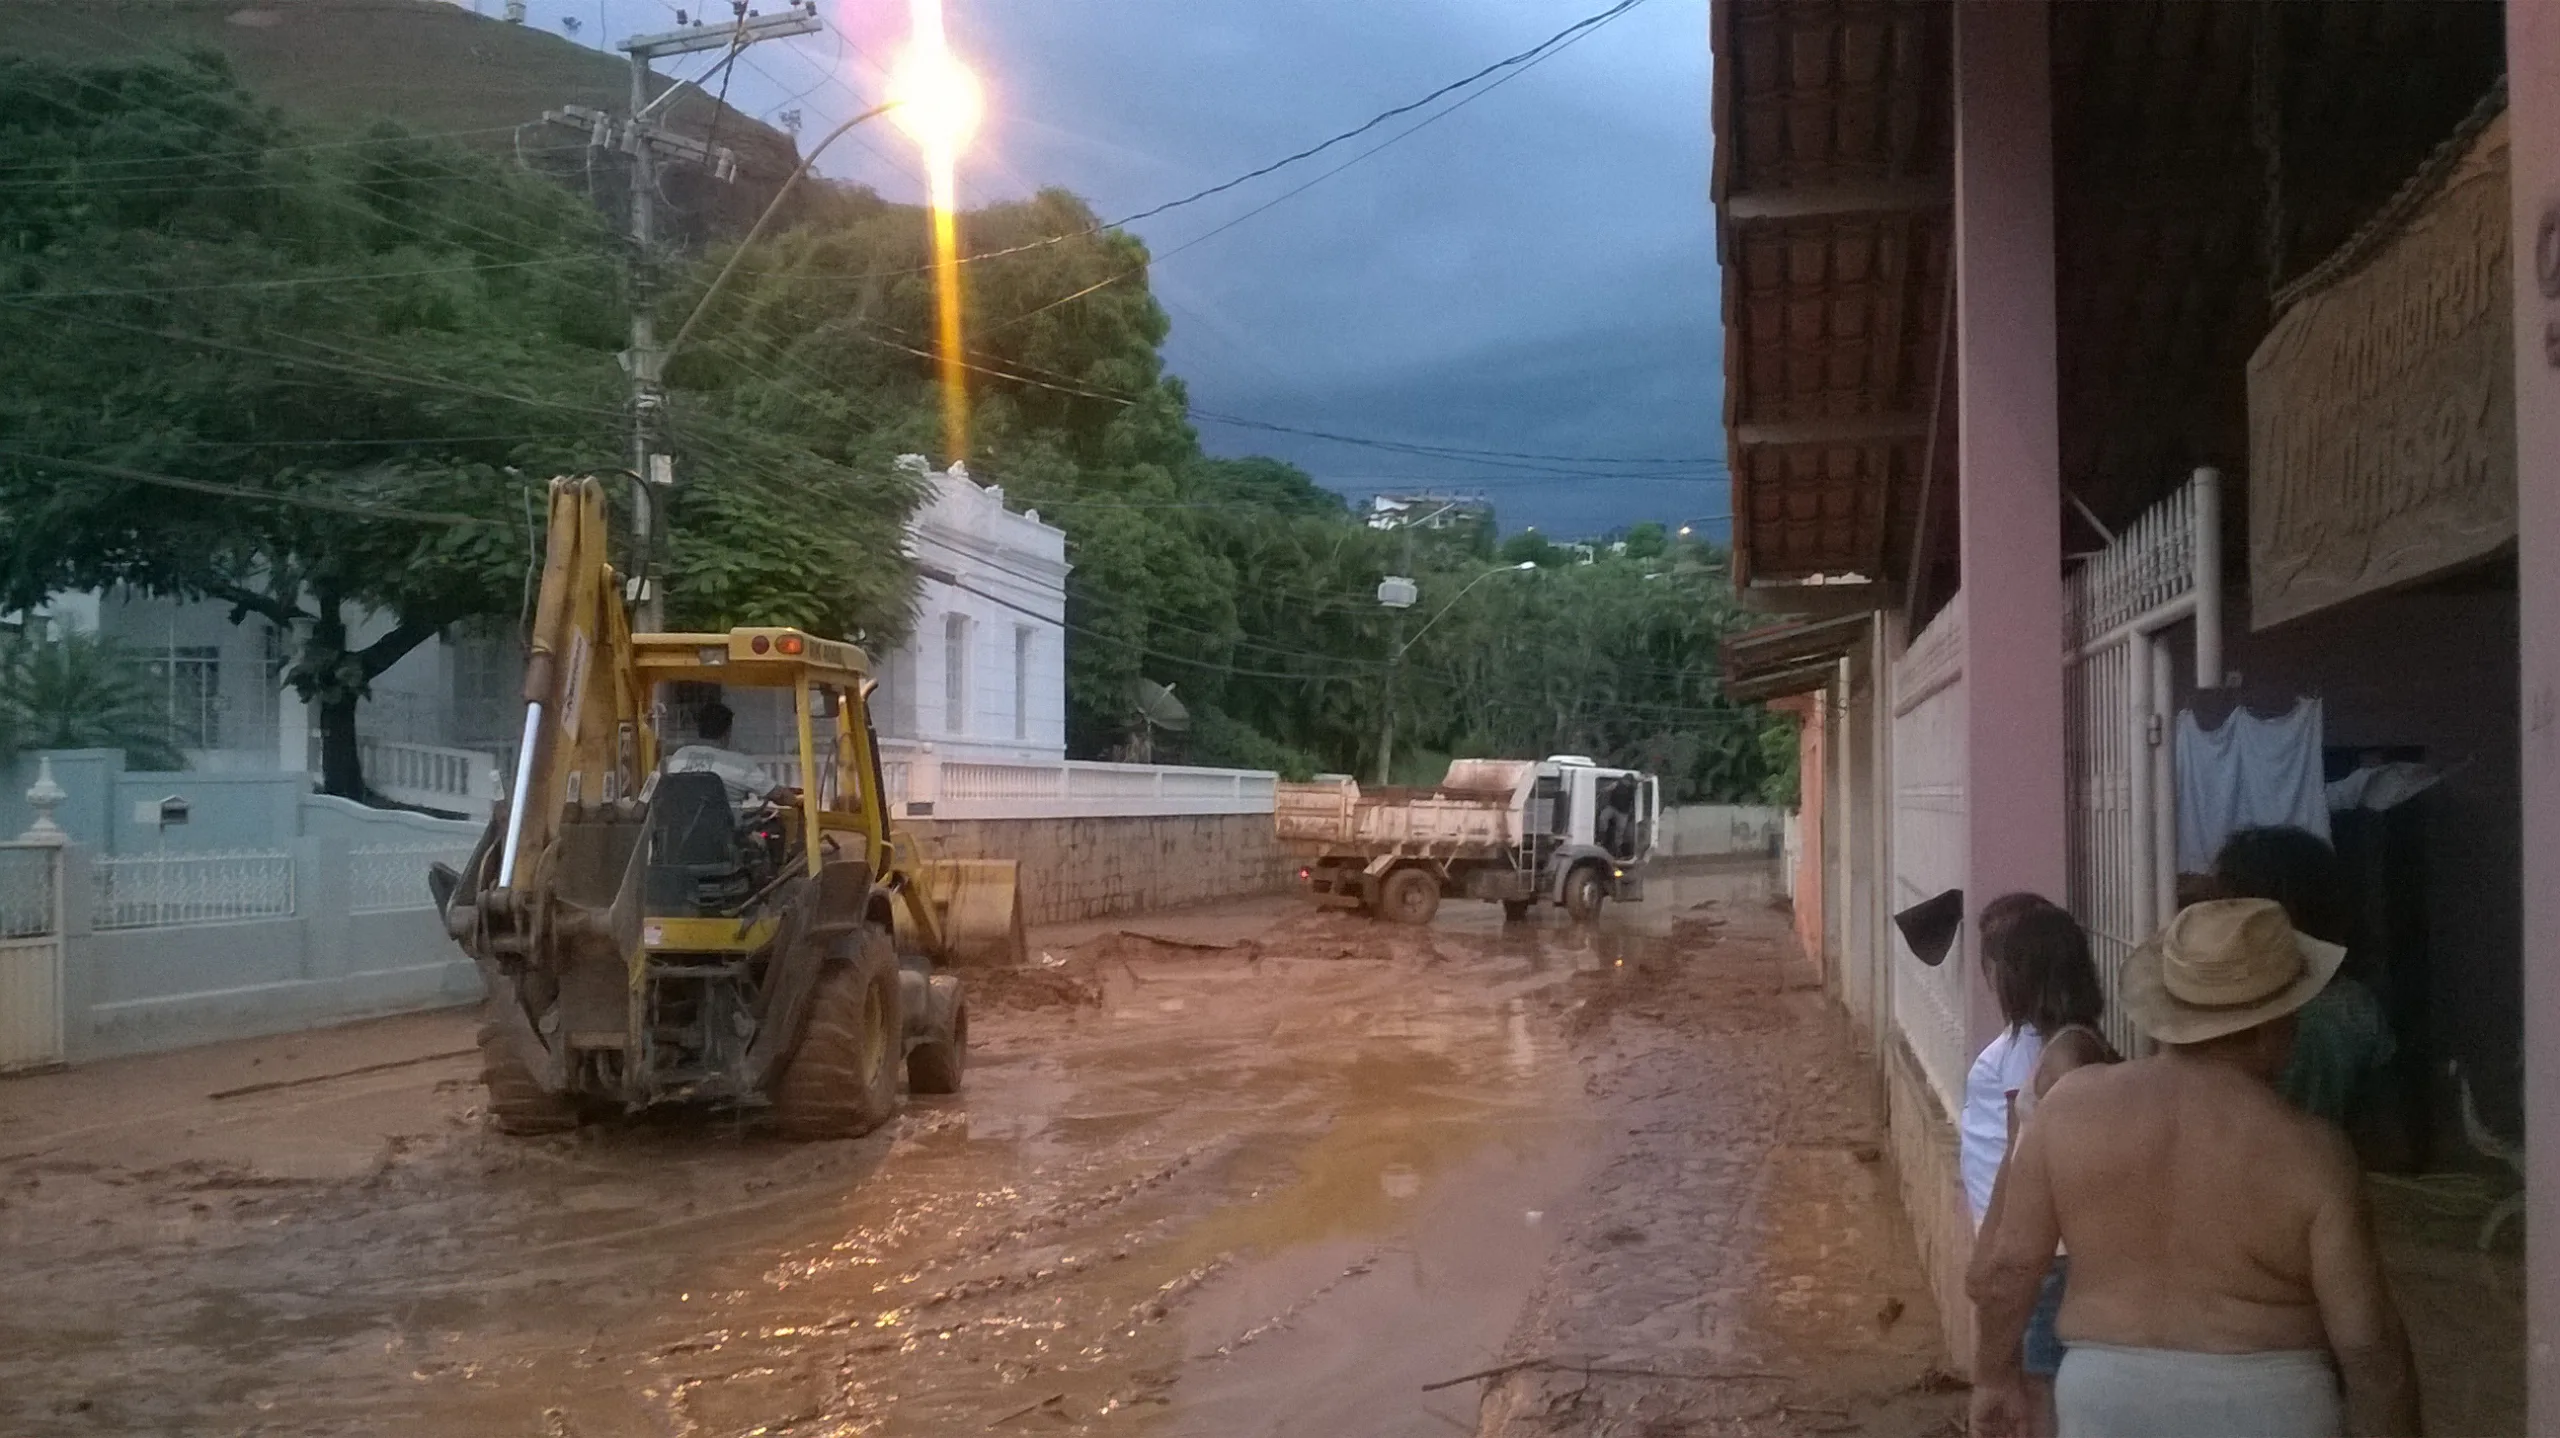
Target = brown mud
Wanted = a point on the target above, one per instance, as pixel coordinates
(1246, 1170)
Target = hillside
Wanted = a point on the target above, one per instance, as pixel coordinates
(433, 66)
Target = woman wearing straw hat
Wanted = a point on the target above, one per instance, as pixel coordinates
(2224, 1278)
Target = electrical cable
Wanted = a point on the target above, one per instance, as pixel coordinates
(233, 491)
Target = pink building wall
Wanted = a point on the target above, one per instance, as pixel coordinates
(2008, 447)
(2533, 88)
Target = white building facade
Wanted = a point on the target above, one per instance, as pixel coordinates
(984, 672)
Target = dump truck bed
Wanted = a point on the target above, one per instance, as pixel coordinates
(1338, 817)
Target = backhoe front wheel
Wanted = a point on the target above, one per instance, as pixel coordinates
(517, 1103)
(843, 1080)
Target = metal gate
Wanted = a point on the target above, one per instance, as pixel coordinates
(30, 955)
(2118, 696)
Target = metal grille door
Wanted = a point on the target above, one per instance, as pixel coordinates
(2121, 791)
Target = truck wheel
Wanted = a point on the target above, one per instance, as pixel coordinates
(1409, 896)
(843, 1081)
(1583, 893)
(517, 1103)
(1515, 911)
(935, 1065)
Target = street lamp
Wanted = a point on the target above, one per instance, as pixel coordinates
(1399, 594)
(940, 106)
(772, 208)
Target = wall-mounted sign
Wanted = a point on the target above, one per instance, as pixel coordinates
(2382, 441)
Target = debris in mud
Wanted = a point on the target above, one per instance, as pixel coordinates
(1159, 1306)
(1075, 978)
(1069, 985)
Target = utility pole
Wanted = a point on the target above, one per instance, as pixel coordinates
(647, 142)
(1398, 593)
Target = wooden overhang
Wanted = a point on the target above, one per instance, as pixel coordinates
(2205, 156)
(1832, 193)
(1777, 660)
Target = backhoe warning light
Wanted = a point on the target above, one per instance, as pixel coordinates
(789, 644)
(762, 644)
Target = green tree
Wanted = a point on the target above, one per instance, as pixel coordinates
(1646, 540)
(365, 356)
(81, 692)
(1530, 547)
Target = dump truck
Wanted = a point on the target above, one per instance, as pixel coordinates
(685, 926)
(1518, 832)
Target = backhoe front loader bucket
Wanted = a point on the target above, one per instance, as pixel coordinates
(976, 905)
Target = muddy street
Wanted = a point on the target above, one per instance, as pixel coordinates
(1243, 1170)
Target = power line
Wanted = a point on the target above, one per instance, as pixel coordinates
(1581, 31)
(361, 371)
(1507, 62)
(144, 291)
(1524, 58)
(233, 491)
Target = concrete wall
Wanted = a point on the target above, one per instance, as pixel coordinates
(226, 810)
(361, 940)
(1719, 831)
(1924, 1158)
(1090, 868)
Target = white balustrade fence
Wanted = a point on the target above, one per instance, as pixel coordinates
(923, 783)
(158, 890)
(452, 781)
(387, 878)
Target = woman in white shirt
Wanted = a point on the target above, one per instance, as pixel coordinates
(2036, 958)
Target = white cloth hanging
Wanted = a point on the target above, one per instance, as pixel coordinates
(2250, 773)
(2382, 786)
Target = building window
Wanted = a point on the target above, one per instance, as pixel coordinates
(955, 673)
(189, 678)
(1022, 681)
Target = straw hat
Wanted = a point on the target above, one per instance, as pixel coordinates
(2223, 966)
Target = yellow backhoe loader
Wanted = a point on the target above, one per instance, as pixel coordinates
(696, 926)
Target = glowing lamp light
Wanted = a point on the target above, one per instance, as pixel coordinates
(939, 102)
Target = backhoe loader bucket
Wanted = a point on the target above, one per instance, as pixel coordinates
(977, 903)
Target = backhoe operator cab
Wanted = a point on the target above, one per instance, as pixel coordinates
(699, 928)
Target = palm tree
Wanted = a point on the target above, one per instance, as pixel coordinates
(81, 691)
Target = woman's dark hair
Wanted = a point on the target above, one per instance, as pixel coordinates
(2037, 958)
(2294, 867)
(2002, 912)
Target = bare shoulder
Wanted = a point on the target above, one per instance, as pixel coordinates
(2087, 1088)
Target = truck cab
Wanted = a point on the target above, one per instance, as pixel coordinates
(1589, 831)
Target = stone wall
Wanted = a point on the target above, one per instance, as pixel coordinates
(1091, 868)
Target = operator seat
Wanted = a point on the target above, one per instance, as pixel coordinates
(698, 862)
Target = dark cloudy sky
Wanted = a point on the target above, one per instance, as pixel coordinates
(1533, 273)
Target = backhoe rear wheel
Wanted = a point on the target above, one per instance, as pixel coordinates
(1410, 896)
(517, 1104)
(843, 1080)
